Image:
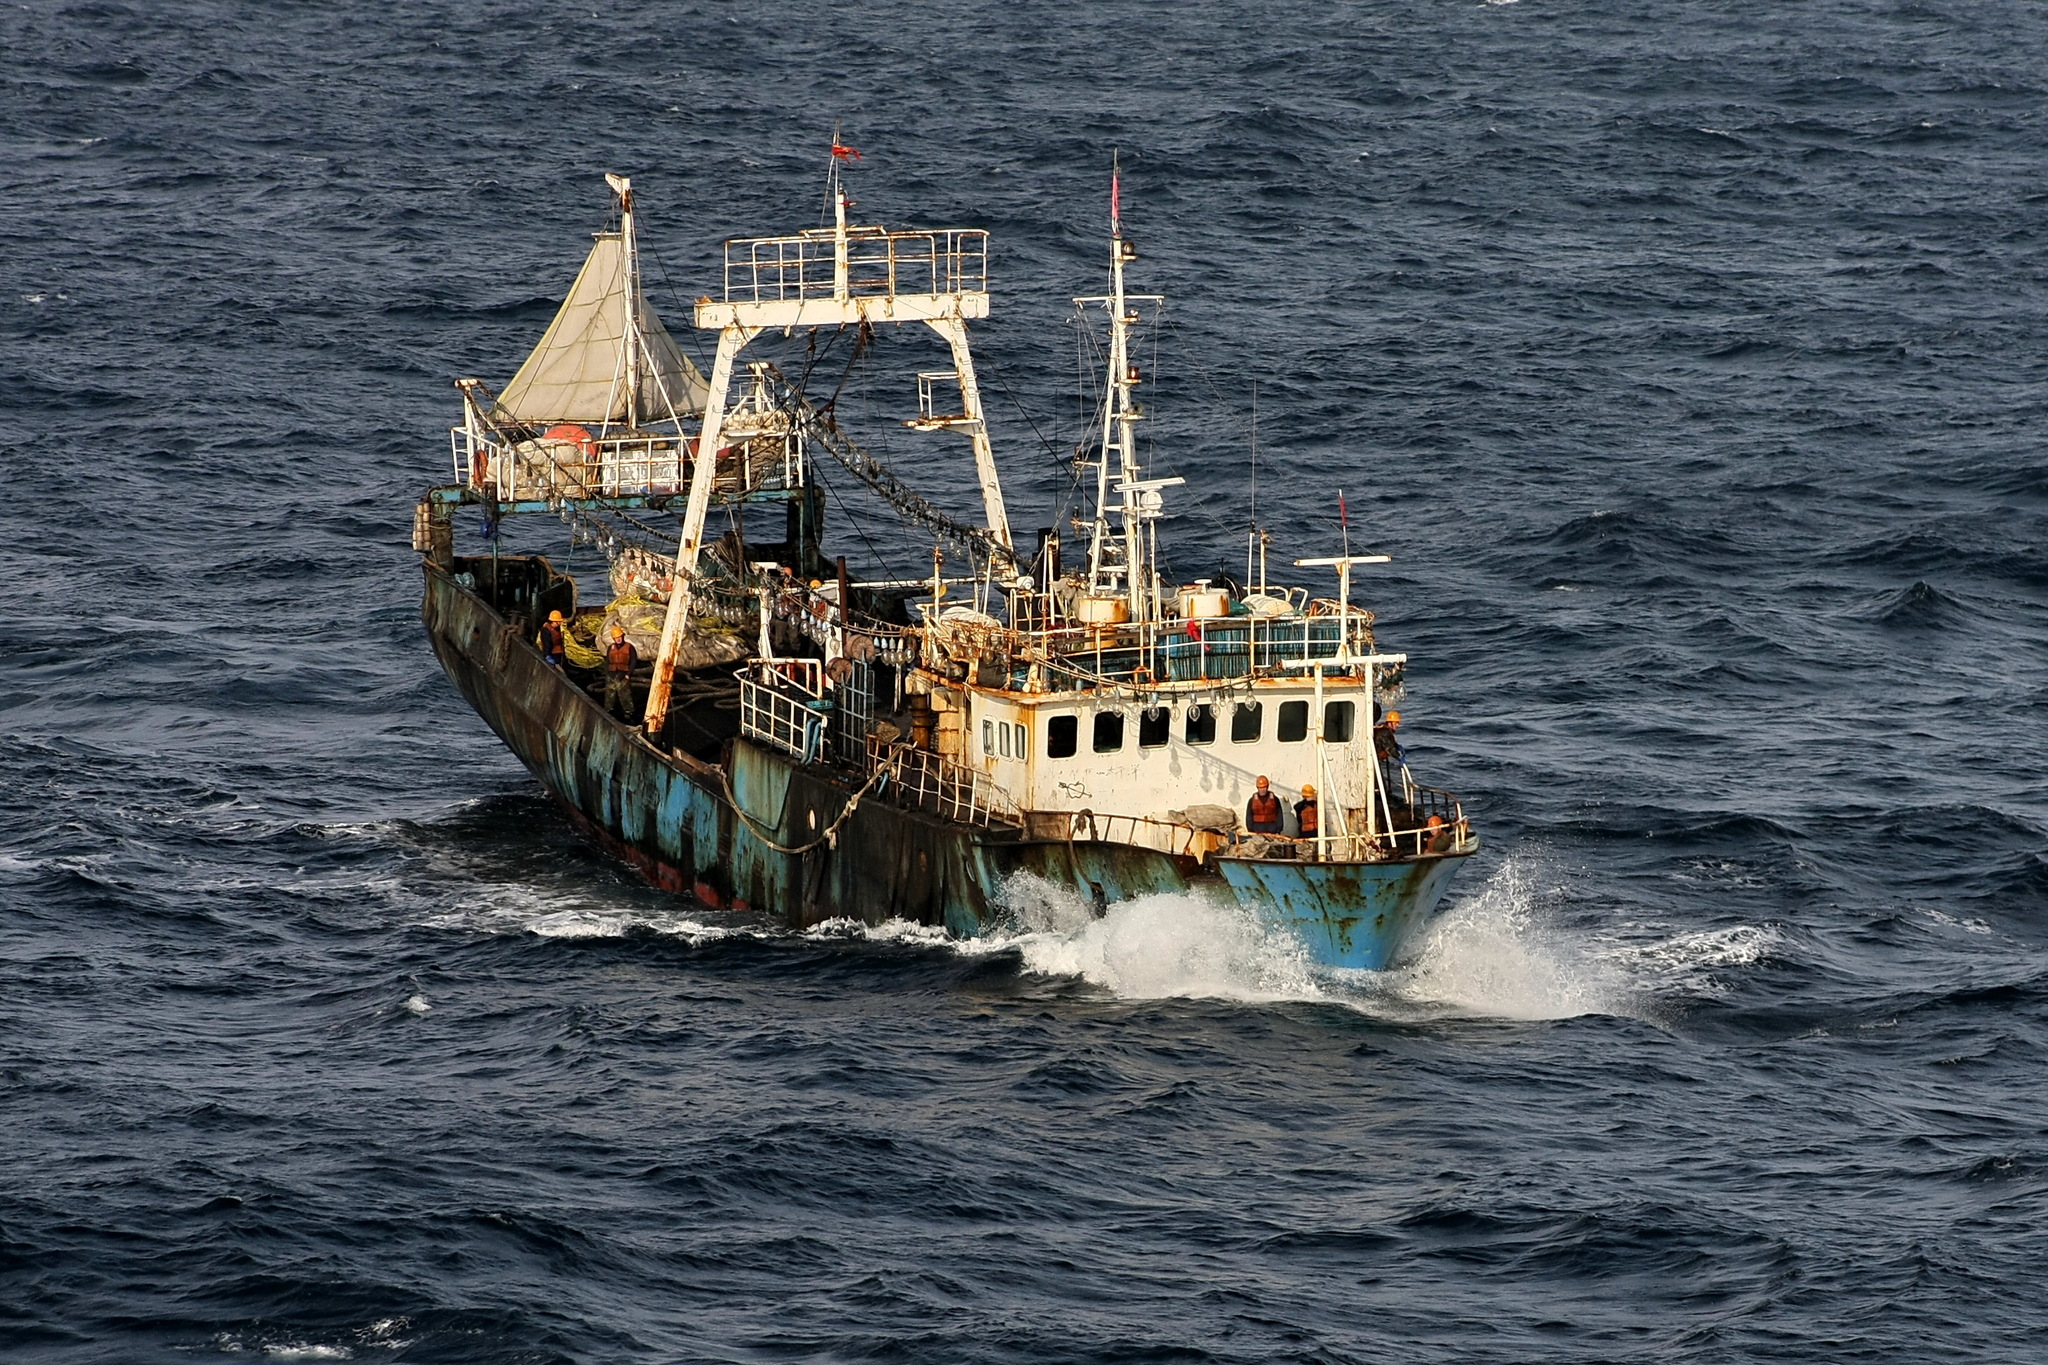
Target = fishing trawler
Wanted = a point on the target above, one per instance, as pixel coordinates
(811, 744)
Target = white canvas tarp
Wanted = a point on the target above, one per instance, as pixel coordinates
(578, 372)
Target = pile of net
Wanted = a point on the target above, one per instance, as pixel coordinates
(707, 644)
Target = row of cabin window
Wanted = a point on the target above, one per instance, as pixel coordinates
(1002, 738)
(1155, 723)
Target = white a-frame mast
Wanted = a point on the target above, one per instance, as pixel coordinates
(840, 276)
(1120, 561)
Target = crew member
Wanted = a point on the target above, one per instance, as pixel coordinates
(551, 647)
(1263, 814)
(1386, 739)
(618, 674)
(1437, 835)
(1305, 818)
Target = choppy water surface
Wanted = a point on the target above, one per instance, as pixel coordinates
(1687, 358)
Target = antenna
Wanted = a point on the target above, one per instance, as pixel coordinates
(1252, 537)
(831, 178)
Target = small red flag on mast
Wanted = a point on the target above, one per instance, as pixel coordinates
(1343, 513)
(1114, 215)
(845, 153)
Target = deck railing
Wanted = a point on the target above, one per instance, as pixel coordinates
(782, 703)
(1414, 839)
(878, 263)
(1085, 826)
(922, 780)
(1218, 648)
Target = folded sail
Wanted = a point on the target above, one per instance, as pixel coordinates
(580, 371)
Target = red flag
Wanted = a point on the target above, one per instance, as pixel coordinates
(845, 153)
(1343, 513)
(1114, 216)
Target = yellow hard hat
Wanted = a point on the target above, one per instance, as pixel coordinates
(1393, 717)
(554, 616)
(619, 631)
(1308, 789)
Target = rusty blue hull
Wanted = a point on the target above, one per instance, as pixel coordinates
(673, 818)
(712, 830)
(1345, 914)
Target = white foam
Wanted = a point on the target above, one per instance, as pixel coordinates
(888, 931)
(1500, 953)
(1682, 959)
(1156, 946)
(519, 909)
(416, 1004)
(1497, 955)
(308, 1351)
(1506, 950)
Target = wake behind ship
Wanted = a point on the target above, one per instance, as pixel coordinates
(743, 719)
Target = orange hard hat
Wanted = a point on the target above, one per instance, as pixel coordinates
(1262, 782)
(619, 631)
(554, 616)
(1308, 789)
(1393, 717)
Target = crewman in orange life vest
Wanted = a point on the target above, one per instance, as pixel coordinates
(1305, 818)
(551, 639)
(1262, 814)
(618, 674)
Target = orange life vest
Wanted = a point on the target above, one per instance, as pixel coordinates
(1263, 813)
(621, 657)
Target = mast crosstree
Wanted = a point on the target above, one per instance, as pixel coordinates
(1122, 559)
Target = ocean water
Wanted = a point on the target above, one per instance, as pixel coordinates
(1689, 359)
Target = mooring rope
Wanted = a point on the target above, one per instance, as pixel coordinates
(831, 834)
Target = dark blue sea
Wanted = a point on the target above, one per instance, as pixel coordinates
(1690, 361)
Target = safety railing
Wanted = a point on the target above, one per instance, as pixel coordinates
(878, 263)
(782, 703)
(922, 780)
(853, 716)
(1413, 836)
(1086, 826)
(766, 453)
(1217, 648)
